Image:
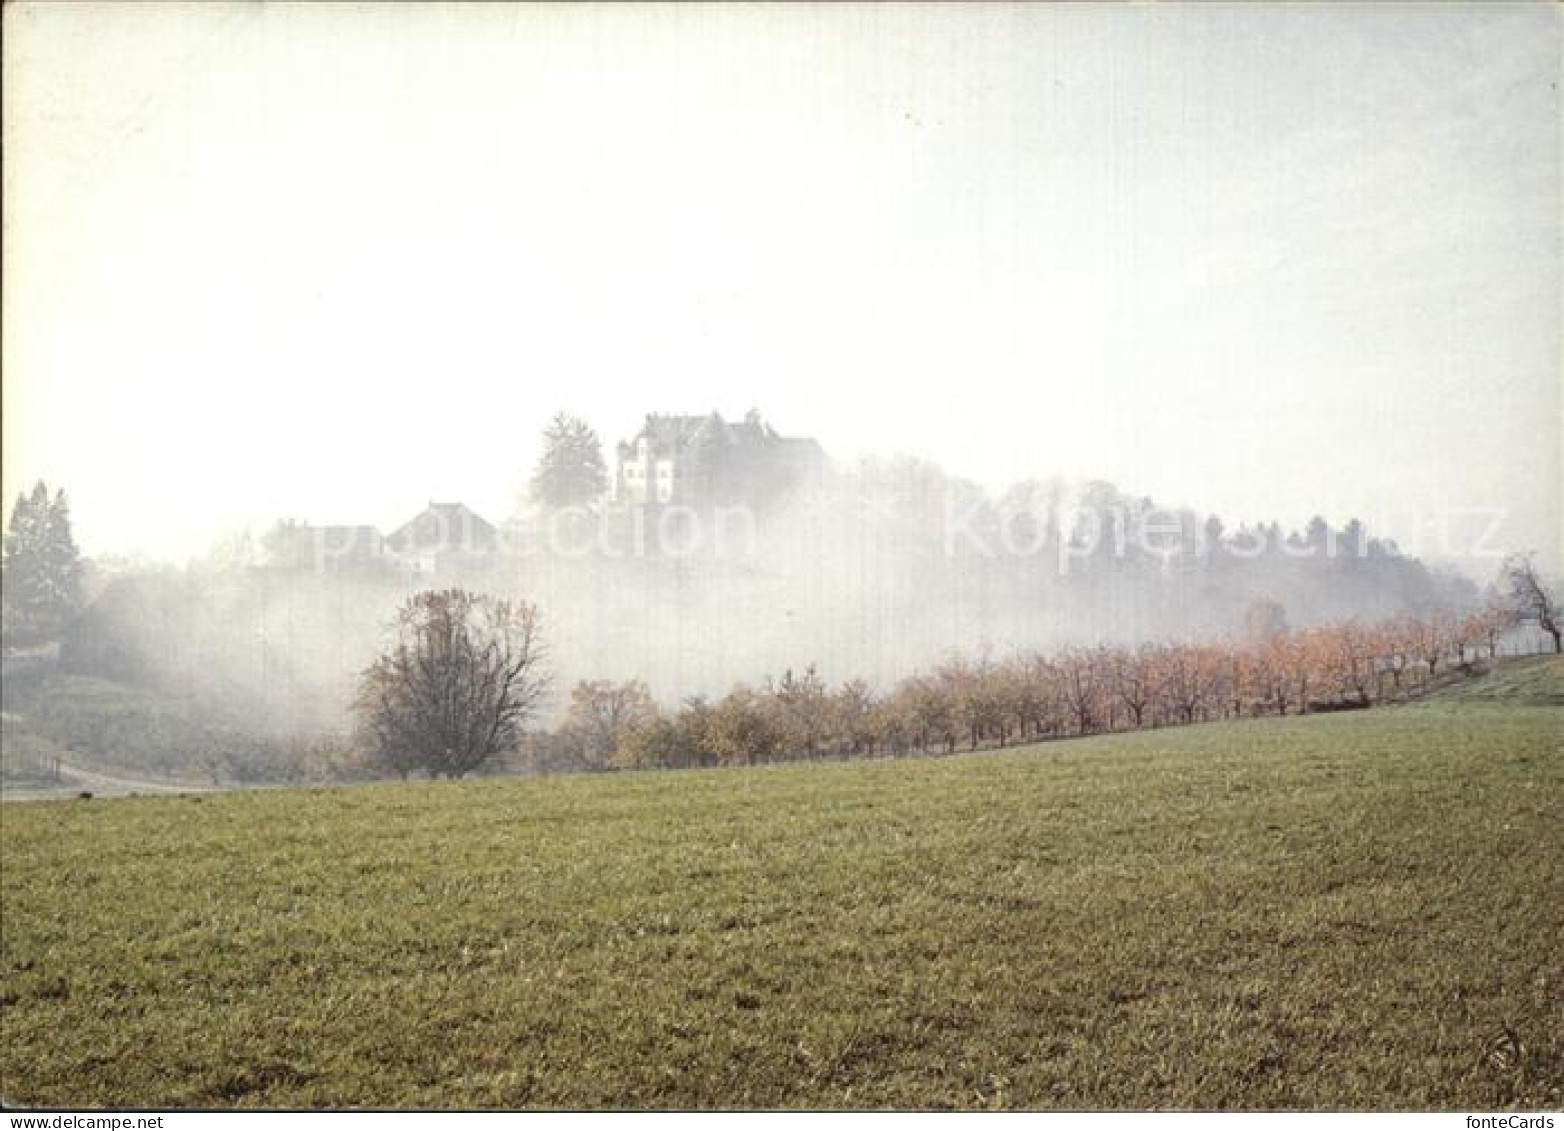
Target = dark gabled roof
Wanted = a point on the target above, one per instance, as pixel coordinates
(447, 527)
(674, 433)
(670, 433)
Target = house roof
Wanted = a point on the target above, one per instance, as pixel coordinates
(445, 527)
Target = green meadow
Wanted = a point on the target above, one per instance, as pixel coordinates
(1354, 910)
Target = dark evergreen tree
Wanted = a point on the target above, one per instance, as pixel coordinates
(42, 568)
(571, 471)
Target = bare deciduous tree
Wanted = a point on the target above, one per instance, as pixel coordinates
(803, 703)
(463, 674)
(1080, 672)
(1350, 662)
(601, 715)
(1532, 599)
(1132, 679)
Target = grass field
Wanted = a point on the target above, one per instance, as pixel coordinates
(1354, 910)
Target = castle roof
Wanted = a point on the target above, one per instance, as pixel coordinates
(672, 433)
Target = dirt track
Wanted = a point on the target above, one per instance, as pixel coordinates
(76, 780)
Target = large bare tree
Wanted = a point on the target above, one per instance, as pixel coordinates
(462, 675)
(1532, 598)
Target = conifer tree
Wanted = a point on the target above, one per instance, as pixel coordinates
(571, 471)
(42, 567)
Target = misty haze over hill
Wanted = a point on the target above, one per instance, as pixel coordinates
(311, 262)
(868, 571)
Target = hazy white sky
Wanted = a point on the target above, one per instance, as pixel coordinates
(331, 262)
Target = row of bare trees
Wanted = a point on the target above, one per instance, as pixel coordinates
(465, 673)
(975, 703)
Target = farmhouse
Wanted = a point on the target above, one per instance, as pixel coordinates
(447, 539)
(444, 540)
(702, 461)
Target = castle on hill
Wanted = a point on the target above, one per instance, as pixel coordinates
(702, 461)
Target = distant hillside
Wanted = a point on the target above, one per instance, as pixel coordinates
(103, 725)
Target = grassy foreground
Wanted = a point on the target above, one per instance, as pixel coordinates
(1354, 910)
